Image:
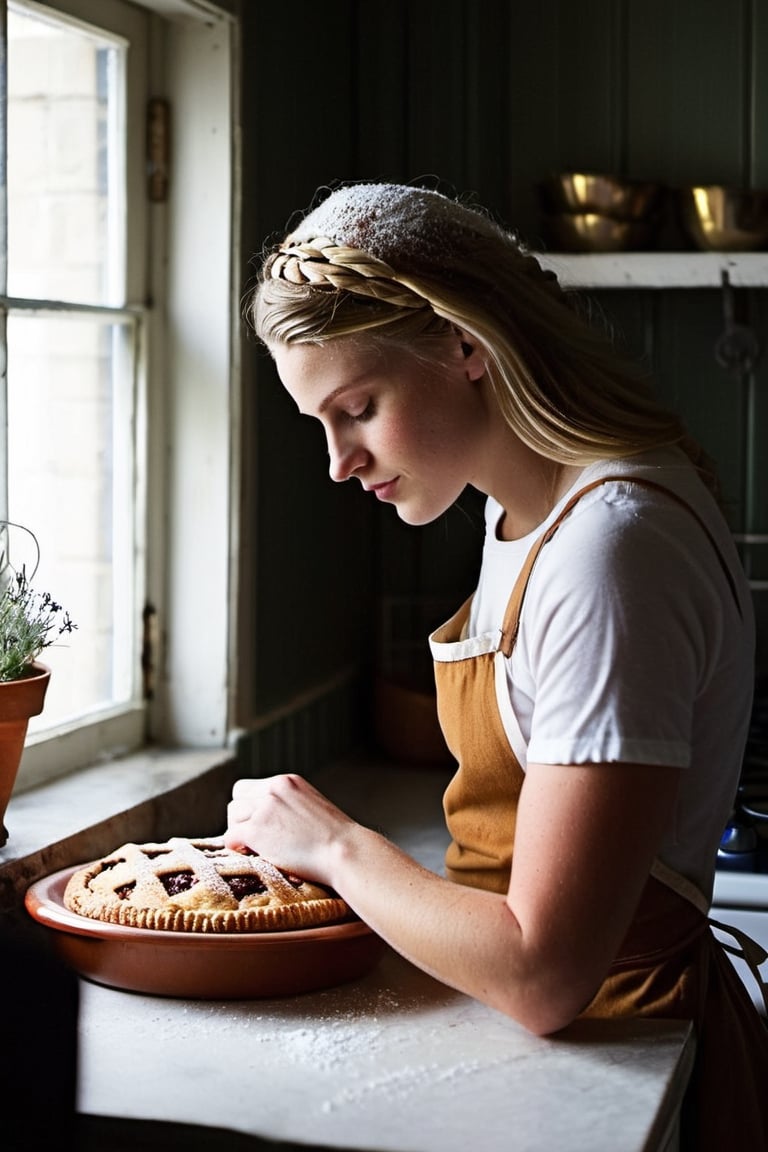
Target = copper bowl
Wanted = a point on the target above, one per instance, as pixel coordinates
(595, 232)
(606, 195)
(199, 965)
(722, 219)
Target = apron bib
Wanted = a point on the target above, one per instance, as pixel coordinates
(670, 964)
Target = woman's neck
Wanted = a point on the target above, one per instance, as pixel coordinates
(530, 493)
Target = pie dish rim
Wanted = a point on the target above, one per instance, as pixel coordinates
(203, 965)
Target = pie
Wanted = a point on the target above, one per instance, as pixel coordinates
(198, 886)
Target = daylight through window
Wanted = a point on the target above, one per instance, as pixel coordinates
(71, 345)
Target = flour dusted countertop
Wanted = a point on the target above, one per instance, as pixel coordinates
(392, 1061)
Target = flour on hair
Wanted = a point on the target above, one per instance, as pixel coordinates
(391, 221)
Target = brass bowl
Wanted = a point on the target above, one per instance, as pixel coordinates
(600, 194)
(722, 219)
(595, 232)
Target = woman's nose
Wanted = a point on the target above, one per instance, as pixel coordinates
(345, 457)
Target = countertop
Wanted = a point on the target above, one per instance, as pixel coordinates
(394, 1060)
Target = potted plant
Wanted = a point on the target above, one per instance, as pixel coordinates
(30, 621)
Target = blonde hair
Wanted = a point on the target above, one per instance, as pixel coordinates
(407, 264)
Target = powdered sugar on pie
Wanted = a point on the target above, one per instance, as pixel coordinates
(198, 886)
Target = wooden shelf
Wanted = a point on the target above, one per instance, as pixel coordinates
(657, 269)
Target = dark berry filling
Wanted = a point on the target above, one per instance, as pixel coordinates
(245, 885)
(175, 882)
(124, 891)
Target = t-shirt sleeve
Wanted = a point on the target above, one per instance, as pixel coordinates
(618, 631)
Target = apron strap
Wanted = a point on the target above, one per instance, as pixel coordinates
(681, 885)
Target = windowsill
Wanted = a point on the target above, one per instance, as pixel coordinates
(143, 797)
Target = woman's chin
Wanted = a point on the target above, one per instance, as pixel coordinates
(418, 517)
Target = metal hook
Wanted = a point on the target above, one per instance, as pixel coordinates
(737, 348)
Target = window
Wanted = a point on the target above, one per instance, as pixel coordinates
(95, 418)
(73, 335)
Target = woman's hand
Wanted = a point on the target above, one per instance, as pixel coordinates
(289, 823)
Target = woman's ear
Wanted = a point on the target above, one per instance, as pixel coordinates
(474, 360)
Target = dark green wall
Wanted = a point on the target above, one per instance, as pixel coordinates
(480, 96)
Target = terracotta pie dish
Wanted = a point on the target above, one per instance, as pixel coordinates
(199, 966)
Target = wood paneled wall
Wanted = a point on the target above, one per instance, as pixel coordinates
(483, 97)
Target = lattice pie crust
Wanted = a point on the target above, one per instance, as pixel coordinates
(198, 886)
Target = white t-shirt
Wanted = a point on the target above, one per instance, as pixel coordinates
(631, 645)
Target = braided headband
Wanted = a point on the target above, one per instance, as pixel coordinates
(324, 262)
(321, 261)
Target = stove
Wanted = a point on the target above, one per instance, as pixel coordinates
(741, 881)
(744, 845)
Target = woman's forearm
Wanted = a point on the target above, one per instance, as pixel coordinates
(465, 937)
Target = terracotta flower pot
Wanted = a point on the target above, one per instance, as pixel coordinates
(19, 699)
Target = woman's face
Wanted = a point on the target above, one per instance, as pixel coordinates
(411, 432)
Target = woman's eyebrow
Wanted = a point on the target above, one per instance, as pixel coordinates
(329, 399)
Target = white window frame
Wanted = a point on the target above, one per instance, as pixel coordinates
(188, 411)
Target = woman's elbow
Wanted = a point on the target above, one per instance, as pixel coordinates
(543, 1009)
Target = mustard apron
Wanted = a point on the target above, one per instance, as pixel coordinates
(670, 964)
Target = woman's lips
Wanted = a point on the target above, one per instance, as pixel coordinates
(386, 490)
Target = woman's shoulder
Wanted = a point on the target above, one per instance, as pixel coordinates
(653, 522)
(645, 480)
(618, 515)
(650, 490)
(651, 472)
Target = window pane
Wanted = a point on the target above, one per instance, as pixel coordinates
(70, 400)
(65, 178)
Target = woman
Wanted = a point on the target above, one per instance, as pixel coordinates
(596, 688)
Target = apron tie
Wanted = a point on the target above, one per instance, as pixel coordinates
(748, 950)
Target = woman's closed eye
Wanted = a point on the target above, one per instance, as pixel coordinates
(361, 413)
